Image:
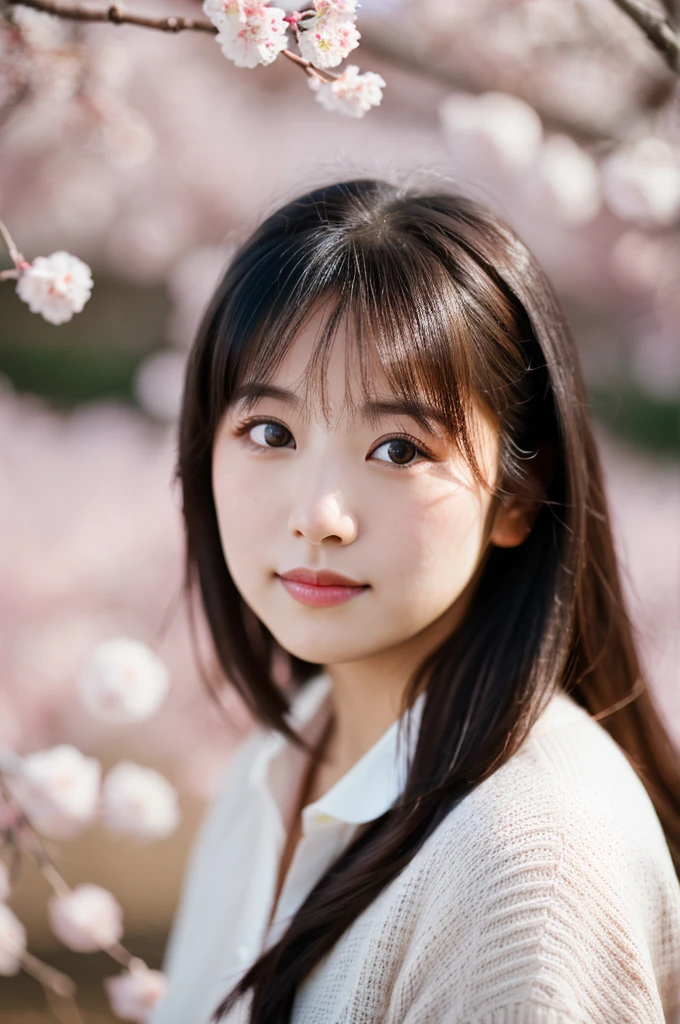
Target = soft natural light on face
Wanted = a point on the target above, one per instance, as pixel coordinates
(378, 496)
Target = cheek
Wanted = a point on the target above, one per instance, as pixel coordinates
(245, 514)
(433, 548)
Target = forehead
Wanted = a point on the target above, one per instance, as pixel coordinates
(337, 369)
(349, 384)
(336, 380)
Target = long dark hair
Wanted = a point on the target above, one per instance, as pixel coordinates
(455, 307)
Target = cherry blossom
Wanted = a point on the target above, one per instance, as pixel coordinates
(344, 8)
(352, 93)
(249, 33)
(329, 35)
(139, 801)
(642, 182)
(55, 286)
(12, 941)
(86, 919)
(493, 127)
(123, 681)
(58, 789)
(134, 993)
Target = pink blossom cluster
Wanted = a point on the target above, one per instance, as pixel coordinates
(86, 918)
(252, 33)
(57, 792)
(639, 182)
(60, 789)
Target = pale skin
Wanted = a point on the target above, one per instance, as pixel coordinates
(293, 489)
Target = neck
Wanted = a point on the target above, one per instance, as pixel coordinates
(366, 695)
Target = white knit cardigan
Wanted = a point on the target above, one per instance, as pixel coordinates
(547, 896)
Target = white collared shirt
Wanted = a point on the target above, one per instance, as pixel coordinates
(547, 895)
(232, 903)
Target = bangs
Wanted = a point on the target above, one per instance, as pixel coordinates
(411, 321)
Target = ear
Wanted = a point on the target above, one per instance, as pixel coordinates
(517, 513)
(514, 520)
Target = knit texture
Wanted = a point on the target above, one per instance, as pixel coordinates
(547, 896)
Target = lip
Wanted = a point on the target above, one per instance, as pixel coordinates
(320, 588)
(320, 578)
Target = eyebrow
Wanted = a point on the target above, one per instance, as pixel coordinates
(427, 416)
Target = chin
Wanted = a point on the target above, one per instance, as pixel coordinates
(323, 650)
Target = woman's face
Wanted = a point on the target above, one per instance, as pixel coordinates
(388, 505)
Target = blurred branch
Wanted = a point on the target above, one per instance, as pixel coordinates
(49, 977)
(392, 48)
(116, 14)
(17, 259)
(657, 28)
(56, 986)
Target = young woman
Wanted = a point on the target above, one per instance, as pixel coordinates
(460, 806)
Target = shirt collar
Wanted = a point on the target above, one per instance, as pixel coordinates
(366, 791)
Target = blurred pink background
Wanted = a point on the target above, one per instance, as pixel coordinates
(149, 156)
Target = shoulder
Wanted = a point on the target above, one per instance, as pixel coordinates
(552, 880)
(570, 781)
(567, 811)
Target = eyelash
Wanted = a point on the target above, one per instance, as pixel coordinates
(242, 429)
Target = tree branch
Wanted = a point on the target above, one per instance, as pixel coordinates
(116, 14)
(657, 28)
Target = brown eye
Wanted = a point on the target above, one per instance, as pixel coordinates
(270, 435)
(275, 435)
(401, 451)
(398, 451)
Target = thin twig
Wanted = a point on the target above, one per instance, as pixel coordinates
(49, 977)
(325, 76)
(18, 259)
(58, 1005)
(657, 28)
(115, 13)
(31, 843)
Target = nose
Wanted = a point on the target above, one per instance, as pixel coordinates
(323, 519)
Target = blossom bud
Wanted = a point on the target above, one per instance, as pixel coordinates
(124, 681)
(139, 801)
(55, 286)
(134, 993)
(86, 919)
(58, 790)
